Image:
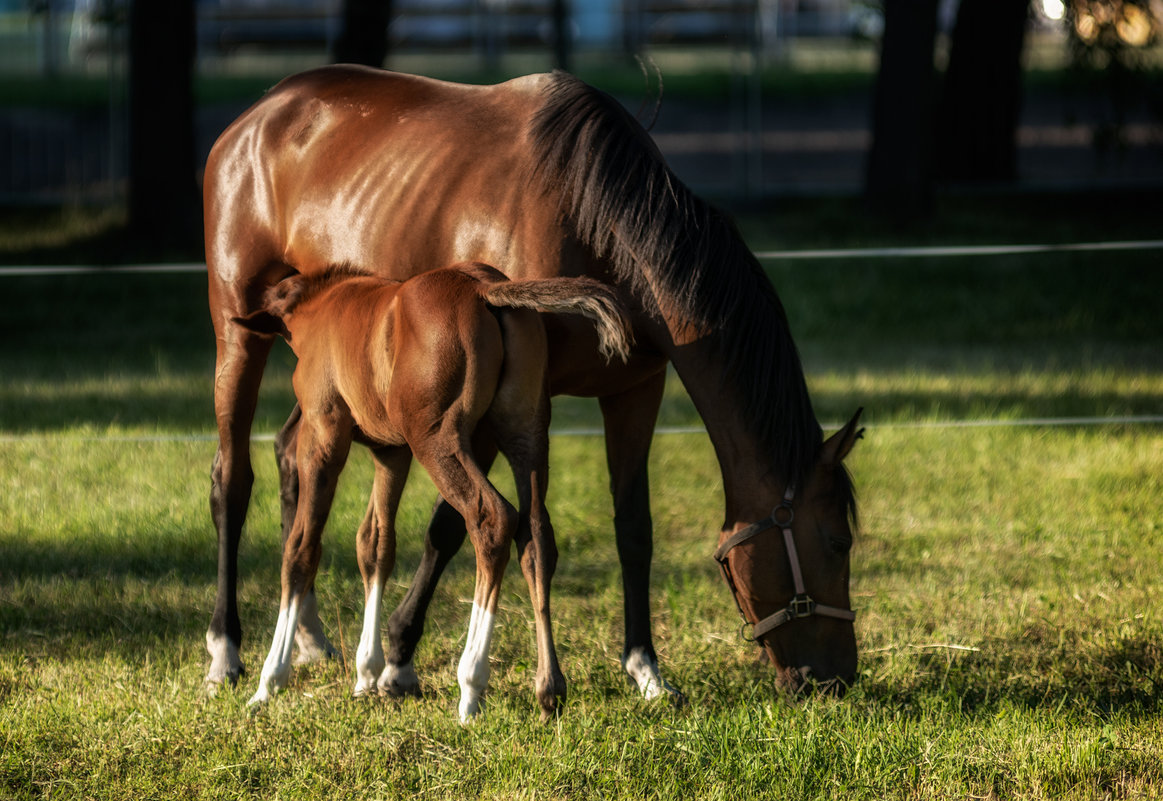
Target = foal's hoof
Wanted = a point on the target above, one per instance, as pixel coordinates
(310, 651)
(551, 698)
(551, 712)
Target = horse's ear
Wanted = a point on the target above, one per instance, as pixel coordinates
(262, 322)
(839, 445)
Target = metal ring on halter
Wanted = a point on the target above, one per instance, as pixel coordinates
(801, 605)
(784, 506)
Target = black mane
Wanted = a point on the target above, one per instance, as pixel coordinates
(668, 244)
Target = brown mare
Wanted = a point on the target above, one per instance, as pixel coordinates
(427, 367)
(541, 176)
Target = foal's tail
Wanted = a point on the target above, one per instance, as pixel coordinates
(583, 296)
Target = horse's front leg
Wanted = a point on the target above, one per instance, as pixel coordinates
(322, 452)
(442, 540)
(310, 640)
(629, 420)
(376, 550)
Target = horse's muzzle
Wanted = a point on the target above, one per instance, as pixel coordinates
(803, 682)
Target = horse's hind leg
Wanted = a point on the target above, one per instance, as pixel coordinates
(240, 362)
(442, 540)
(310, 640)
(376, 548)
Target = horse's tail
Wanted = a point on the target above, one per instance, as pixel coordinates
(583, 296)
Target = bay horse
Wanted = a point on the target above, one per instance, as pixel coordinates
(424, 368)
(540, 176)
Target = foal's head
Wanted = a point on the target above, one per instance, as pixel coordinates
(288, 295)
(790, 571)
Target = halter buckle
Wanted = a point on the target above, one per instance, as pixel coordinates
(801, 606)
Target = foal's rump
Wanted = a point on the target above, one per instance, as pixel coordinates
(577, 295)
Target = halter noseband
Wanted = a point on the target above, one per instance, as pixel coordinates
(801, 604)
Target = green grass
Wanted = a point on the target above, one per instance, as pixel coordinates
(1007, 579)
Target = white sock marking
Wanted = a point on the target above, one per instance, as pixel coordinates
(473, 671)
(276, 670)
(369, 657)
(311, 642)
(644, 671)
(225, 665)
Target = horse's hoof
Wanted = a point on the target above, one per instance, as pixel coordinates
(225, 666)
(212, 686)
(399, 681)
(469, 710)
(642, 672)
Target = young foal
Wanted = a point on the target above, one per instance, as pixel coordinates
(439, 366)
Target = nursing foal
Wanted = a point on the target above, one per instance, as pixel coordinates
(443, 366)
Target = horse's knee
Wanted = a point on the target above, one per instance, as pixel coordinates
(230, 486)
(495, 531)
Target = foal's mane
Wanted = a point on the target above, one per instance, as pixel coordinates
(663, 241)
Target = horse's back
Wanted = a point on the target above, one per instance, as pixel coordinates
(392, 172)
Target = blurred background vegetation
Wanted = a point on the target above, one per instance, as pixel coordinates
(854, 117)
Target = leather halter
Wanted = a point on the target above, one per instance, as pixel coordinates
(801, 604)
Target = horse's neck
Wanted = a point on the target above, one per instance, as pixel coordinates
(750, 485)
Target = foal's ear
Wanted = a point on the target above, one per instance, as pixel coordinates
(263, 322)
(278, 300)
(839, 445)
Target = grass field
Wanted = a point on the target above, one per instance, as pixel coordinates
(1009, 579)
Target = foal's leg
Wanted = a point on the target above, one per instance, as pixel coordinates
(491, 523)
(445, 534)
(525, 443)
(310, 640)
(241, 358)
(321, 455)
(629, 420)
(376, 547)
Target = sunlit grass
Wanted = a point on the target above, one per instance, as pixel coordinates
(1006, 577)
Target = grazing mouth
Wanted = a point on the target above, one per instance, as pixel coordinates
(800, 683)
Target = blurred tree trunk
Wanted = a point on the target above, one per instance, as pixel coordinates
(899, 178)
(981, 101)
(164, 207)
(363, 38)
(562, 36)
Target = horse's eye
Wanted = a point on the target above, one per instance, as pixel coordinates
(840, 545)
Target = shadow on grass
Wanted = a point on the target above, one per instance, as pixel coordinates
(138, 350)
(1078, 672)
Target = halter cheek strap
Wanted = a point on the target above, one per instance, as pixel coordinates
(801, 604)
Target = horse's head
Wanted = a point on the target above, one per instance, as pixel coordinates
(789, 574)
